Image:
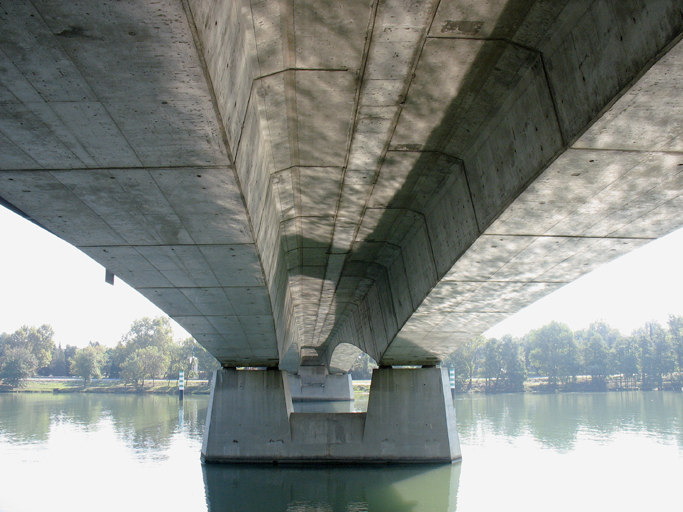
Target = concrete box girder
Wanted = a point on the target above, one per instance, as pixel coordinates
(387, 175)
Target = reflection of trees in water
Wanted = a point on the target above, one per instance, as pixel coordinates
(25, 418)
(322, 488)
(144, 422)
(148, 422)
(29, 417)
(557, 420)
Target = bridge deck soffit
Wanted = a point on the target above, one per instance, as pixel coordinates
(279, 175)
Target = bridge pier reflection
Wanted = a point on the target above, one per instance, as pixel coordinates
(247, 488)
(410, 418)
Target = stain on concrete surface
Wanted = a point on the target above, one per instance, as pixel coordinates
(467, 28)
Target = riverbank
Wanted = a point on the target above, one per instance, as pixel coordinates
(75, 385)
(581, 384)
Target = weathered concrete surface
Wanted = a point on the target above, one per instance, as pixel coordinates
(314, 383)
(304, 176)
(410, 418)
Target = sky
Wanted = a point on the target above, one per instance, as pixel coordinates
(44, 280)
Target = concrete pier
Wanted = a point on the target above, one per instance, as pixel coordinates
(410, 418)
(314, 383)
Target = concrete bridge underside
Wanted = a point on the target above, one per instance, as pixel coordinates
(297, 181)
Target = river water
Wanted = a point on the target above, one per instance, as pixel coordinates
(601, 451)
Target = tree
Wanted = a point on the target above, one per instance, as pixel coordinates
(69, 353)
(594, 351)
(623, 359)
(656, 355)
(554, 352)
(36, 340)
(465, 360)
(88, 362)
(608, 334)
(16, 364)
(492, 365)
(144, 363)
(205, 361)
(362, 367)
(148, 332)
(676, 337)
(512, 364)
(58, 364)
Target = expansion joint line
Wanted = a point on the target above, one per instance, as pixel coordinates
(285, 70)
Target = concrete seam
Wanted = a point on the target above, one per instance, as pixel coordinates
(199, 48)
(607, 237)
(91, 92)
(621, 150)
(7, 59)
(627, 86)
(399, 110)
(24, 152)
(471, 196)
(285, 70)
(360, 74)
(86, 206)
(239, 140)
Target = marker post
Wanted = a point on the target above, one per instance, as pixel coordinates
(181, 385)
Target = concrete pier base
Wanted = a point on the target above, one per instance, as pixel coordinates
(313, 383)
(410, 418)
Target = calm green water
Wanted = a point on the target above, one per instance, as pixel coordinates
(520, 452)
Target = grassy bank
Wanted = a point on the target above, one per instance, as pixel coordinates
(105, 386)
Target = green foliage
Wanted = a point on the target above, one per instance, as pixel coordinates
(145, 363)
(492, 368)
(623, 360)
(88, 362)
(148, 351)
(205, 362)
(465, 360)
(23, 352)
(676, 338)
(503, 365)
(37, 340)
(513, 369)
(17, 363)
(656, 354)
(148, 332)
(69, 353)
(362, 368)
(553, 350)
(594, 353)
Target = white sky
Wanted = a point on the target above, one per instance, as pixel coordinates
(45, 280)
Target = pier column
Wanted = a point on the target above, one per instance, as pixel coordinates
(248, 416)
(410, 418)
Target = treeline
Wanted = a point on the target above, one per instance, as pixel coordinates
(146, 352)
(649, 358)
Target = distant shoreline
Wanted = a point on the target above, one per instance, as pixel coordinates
(67, 385)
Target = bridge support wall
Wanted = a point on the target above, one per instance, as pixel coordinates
(313, 383)
(410, 418)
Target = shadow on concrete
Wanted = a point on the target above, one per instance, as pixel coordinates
(437, 171)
